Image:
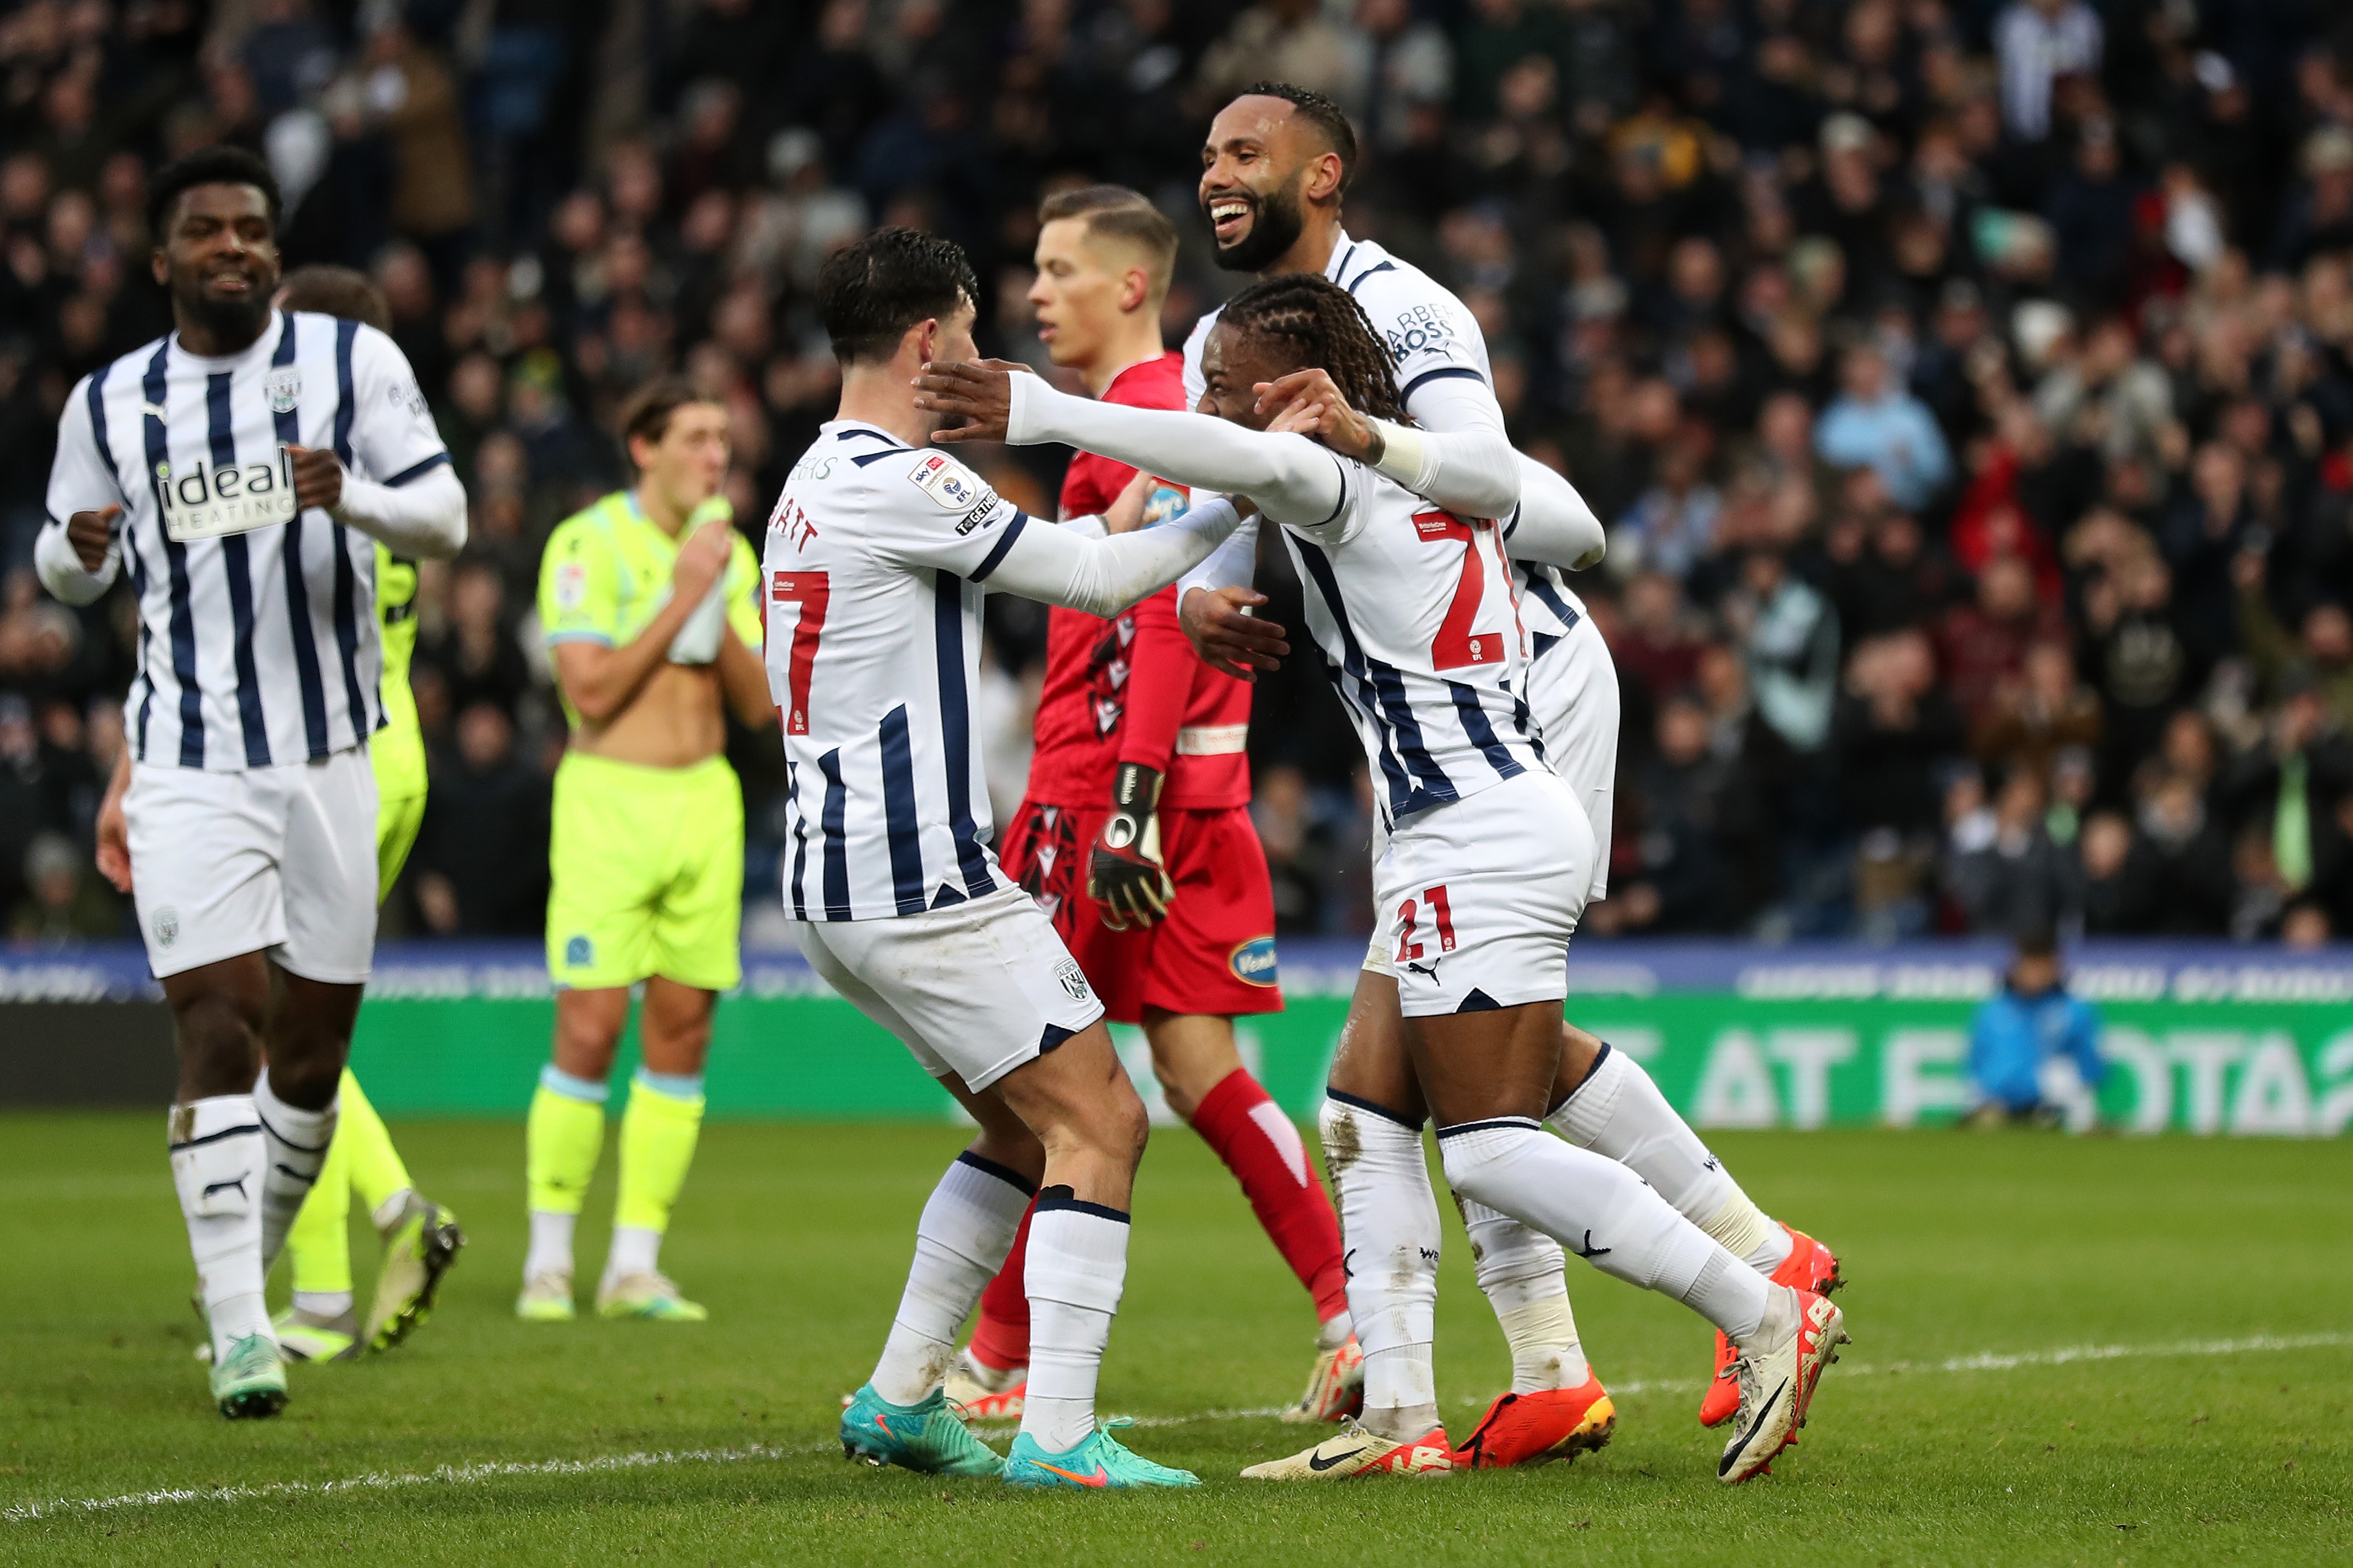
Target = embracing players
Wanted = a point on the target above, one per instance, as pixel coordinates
(1488, 857)
(233, 466)
(1136, 836)
(1274, 169)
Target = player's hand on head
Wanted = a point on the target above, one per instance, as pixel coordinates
(90, 533)
(1308, 403)
(1126, 513)
(318, 478)
(974, 396)
(1229, 638)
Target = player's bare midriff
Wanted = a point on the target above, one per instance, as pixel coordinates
(674, 722)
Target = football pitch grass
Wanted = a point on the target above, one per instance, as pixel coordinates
(2086, 1351)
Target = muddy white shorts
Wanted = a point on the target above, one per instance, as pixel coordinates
(975, 989)
(1573, 693)
(1475, 902)
(278, 860)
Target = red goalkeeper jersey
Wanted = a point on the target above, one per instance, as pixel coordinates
(1131, 689)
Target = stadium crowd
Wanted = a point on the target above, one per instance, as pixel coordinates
(1968, 385)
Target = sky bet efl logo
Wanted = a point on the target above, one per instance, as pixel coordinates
(201, 502)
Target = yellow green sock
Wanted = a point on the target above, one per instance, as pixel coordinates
(658, 1136)
(318, 1243)
(375, 1166)
(566, 1134)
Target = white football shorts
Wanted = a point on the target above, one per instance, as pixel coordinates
(975, 989)
(278, 860)
(1475, 902)
(1573, 693)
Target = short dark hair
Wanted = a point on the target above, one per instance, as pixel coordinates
(1327, 330)
(2038, 940)
(870, 293)
(336, 291)
(646, 415)
(209, 166)
(1320, 112)
(1122, 213)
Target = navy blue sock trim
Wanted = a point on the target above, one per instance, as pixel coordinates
(1554, 1109)
(1383, 1111)
(281, 1137)
(217, 1137)
(1526, 1123)
(1063, 1197)
(1006, 1174)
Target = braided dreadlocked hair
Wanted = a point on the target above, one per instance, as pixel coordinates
(1327, 330)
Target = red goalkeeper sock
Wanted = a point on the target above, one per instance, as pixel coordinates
(1000, 1337)
(1260, 1146)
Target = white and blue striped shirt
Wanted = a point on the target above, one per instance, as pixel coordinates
(256, 622)
(876, 554)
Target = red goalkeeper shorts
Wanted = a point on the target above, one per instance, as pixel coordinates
(1214, 953)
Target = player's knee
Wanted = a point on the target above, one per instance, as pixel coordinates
(1475, 1157)
(219, 1044)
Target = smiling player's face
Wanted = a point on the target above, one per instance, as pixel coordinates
(1254, 169)
(219, 259)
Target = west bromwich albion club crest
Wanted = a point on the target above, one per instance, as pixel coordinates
(285, 387)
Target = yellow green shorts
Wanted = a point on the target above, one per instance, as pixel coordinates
(647, 867)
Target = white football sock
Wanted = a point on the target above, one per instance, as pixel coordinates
(635, 1250)
(1604, 1213)
(297, 1141)
(551, 1244)
(1389, 1236)
(323, 1303)
(1076, 1274)
(1618, 1111)
(1520, 1270)
(218, 1154)
(960, 1244)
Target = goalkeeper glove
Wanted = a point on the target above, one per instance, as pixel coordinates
(1125, 875)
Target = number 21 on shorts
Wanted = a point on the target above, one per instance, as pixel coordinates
(1442, 916)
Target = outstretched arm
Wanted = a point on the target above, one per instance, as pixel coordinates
(1104, 576)
(1292, 479)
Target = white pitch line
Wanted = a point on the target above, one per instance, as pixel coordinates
(456, 1474)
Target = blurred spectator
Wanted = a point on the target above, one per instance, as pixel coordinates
(488, 808)
(2034, 1050)
(65, 902)
(1875, 423)
(1983, 645)
(2018, 880)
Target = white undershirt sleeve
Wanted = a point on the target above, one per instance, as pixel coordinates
(1460, 457)
(1104, 576)
(1232, 566)
(61, 568)
(1555, 527)
(1291, 479)
(424, 520)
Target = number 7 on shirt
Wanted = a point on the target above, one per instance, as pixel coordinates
(810, 590)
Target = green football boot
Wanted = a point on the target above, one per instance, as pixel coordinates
(419, 1245)
(250, 1380)
(305, 1336)
(547, 1297)
(1100, 1461)
(926, 1437)
(653, 1296)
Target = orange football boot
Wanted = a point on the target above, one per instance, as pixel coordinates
(1530, 1428)
(1809, 1267)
